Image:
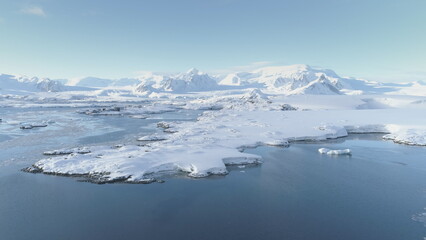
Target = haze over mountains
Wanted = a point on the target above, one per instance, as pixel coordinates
(34, 84)
(288, 80)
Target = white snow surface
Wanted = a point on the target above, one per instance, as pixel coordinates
(139, 163)
(216, 139)
(269, 106)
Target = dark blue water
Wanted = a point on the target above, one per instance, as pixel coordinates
(295, 194)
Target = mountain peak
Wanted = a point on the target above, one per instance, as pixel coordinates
(193, 71)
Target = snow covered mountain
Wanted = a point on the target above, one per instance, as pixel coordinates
(288, 80)
(304, 79)
(293, 79)
(191, 81)
(10, 83)
(320, 86)
(94, 82)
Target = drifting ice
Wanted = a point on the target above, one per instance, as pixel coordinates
(335, 152)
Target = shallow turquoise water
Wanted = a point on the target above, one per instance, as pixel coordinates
(295, 194)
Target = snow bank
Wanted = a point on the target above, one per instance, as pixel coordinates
(83, 150)
(409, 136)
(154, 137)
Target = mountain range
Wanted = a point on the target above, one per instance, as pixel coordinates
(289, 80)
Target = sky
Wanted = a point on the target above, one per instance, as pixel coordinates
(382, 40)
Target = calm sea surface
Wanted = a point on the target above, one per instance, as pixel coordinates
(377, 193)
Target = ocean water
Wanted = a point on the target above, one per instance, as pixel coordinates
(377, 193)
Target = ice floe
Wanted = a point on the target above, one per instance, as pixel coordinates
(33, 125)
(335, 152)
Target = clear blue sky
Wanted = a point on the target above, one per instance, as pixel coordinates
(378, 40)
